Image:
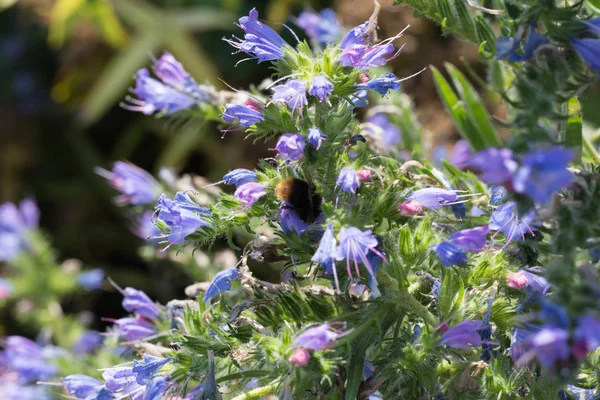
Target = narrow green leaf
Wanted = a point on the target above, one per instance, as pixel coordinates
(574, 128)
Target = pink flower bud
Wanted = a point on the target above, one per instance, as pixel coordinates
(518, 280)
(410, 208)
(364, 175)
(363, 77)
(300, 358)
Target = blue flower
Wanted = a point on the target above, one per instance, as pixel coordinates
(322, 27)
(554, 314)
(589, 50)
(326, 253)
(144, 227)
(434, 198)
(461, 153)
(357, 53)
(321, 88)
(154, 96)
(543, 173)
(88, 342)
(81, 386)
(381, 85)
(135, 328)
(220, 283)
(485, 333)
(354, 247)
(27, 359)
(292, 93)
(136, 185)
(320, 337)
(290, 146)
(496, 166)
(519, 340)
(463, 335)
(249, 193)
(91, 279)
(506, 48)
(549, 345)
(245, 115)
(260, 41)
(239, 176)
(171, 72)
(139, 303)
(359, 99)
(290, 222)
(181, 216)
(155, 389)
(472, 240)
(356, 36)
(208, 388)
(586, 337)
(507, 220)
(576, 393)
(117, 378)
(498, 193)
(449, 254)
(380, 127)
(347, 180)
(14, 226)
(315, 137)
(146, 370)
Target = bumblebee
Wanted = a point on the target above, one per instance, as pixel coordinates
(301, 197)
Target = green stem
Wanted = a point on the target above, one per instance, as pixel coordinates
(408, 303)
(257, 393)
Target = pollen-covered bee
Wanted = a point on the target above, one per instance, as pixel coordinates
(301, 197)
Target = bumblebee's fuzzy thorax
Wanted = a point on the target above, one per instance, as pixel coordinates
(301, 197)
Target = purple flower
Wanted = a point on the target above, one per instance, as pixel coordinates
(14, 224)
(146, 370)
(449, 254)
(463, 335)
(88, 342)
(434, 198)
(573, 392)
(363, 56)
(506, 48)
(154, 96)
(181, 216)
(543, 173)
(292, 93)
(249, 193)
(16, 391)
(136, 185)
(347, 180)
(322, 27)
(589, 50)
(380, 126)
(316, 137)
(155, 389)
(519, 343)
(220, 283)
(27, 359)
(321, 88)
(260, 41)
(496, 166)
(326, 253)
(290, 146)
(356, 36)
(243, 114)
(300, 358)
(139, 303)
(549, 345)
(81, 386)
(472, 240)
(586, 337)
(532, 283)
(460, 154)
(359, 99)
(381, 85)
(117, 378)
(506, 220)
(354, 246)
(144, 227)
(319, 337)
(291, 222)
(171, 72)
(134, 328)
(498, 193)
(91, 279)
(239, 176)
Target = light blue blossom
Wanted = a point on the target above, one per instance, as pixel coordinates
(136, 185)
(135, 328)
(154, 96)
(146, 370)
(321, 88)
(348, 180)
(81, 386)
(316, 137)
(181, 216)
(292, 93)
(239, 176)
(245, 115)
(91, 279)
(381, 85)
(290, 146)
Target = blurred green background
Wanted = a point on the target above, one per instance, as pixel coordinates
(66, 64)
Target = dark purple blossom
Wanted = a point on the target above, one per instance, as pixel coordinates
(322, 27)
(348, 181)
(292, 93)
(543, 173)
(243, 114)
(220, 283)
(290, 221)
(316, 137)
(181, 215)
(320, 337)
(139, 303)
(91, 279)
(463, 335)
(88, 342)
(354, 247)
(135, 328)
(321, 88)
(472, 240)
(81, 386)
(136, 185)
(449, 254)
(496, 166)
(260, 41)
(239, 176)
(290, 146)
(381, 85)
(146, 370)
(249, 193)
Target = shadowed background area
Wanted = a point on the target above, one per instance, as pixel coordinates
(65, 65)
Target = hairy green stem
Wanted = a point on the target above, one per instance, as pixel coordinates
(257, 393)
